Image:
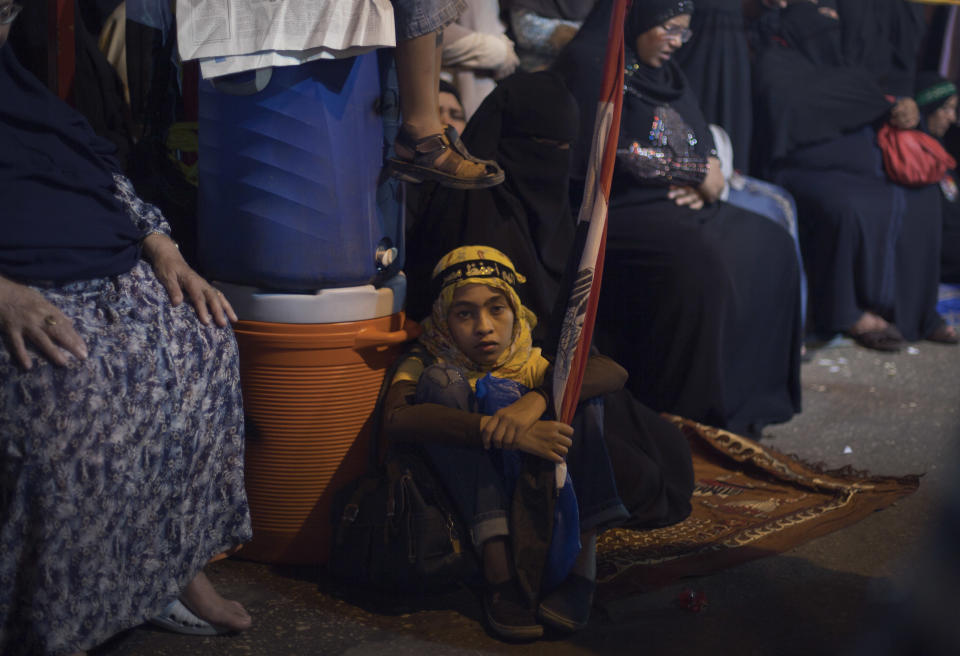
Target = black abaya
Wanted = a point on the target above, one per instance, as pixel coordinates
(716, 62)
(950, 247)
(701, 306)
(868, 244)
(524, 124)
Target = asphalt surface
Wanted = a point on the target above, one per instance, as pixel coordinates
(889, 414)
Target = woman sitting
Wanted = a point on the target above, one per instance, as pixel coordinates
(700, 299)
(121, 425)
(526, 124)
(478, 339)
(871, 247)
(937, 100)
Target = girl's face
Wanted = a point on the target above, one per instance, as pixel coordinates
(656, 45)
(939, 122)
(481, 322)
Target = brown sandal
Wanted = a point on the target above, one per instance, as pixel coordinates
(886, 340)
(460, 170)
(943, 334)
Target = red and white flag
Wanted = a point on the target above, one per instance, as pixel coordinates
(577, 330)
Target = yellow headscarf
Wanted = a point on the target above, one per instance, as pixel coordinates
(483, 265)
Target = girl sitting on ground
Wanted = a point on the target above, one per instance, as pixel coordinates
(478, 338)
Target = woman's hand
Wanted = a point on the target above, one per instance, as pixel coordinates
(905, 114)
(712, 186)
(708, 191)
(549, 440)
(686, 197)
(179, 279)
(505, 427)
(26, 316)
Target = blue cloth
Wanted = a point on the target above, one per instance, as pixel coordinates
(776, 204)
(476, 479)
(495, 394)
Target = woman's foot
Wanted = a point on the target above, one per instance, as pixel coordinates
(440, 156)
(944, 334)
(201, 598)
(874, 332)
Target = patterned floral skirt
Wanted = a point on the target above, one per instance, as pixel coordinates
(121, 475)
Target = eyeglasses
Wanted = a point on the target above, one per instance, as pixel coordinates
(9, 13)
(676, 31)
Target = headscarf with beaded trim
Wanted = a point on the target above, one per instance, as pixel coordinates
(483, 265)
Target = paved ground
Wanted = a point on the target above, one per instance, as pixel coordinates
(893, 414)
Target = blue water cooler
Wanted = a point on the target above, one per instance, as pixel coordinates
(304, 237)
(290, 162)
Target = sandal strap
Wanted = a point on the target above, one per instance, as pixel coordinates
(453, 137)
(425, 150)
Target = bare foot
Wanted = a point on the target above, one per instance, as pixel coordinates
(868, 323)
(200, 597)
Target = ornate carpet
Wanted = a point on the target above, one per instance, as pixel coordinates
(749, 501)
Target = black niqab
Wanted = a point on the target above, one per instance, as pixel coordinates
(804, 92)
(816, 36)
(61, 221)
(522, 125)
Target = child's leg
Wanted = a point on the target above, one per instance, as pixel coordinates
(588, 463)
(468, 473)
(567, 608)
(586, 563)
(425, 150)
(476, 486)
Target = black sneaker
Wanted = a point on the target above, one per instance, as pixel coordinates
(508, 614)
(568, 607)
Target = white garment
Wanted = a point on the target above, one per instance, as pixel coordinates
(477, 52)
(724, 147)
(218, 29)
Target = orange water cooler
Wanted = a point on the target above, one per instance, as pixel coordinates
(310, 377)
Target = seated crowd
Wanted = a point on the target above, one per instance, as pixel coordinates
(750, 213)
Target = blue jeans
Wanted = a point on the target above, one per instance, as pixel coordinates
(415, 18)
(474, 478)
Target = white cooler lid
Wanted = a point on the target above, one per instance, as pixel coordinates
(334, 305)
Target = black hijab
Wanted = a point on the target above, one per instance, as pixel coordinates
(817, 37)
(805, 93)
(520, 125)
(61, 221)
(648, 88)
(647, 14)
(883, 37)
